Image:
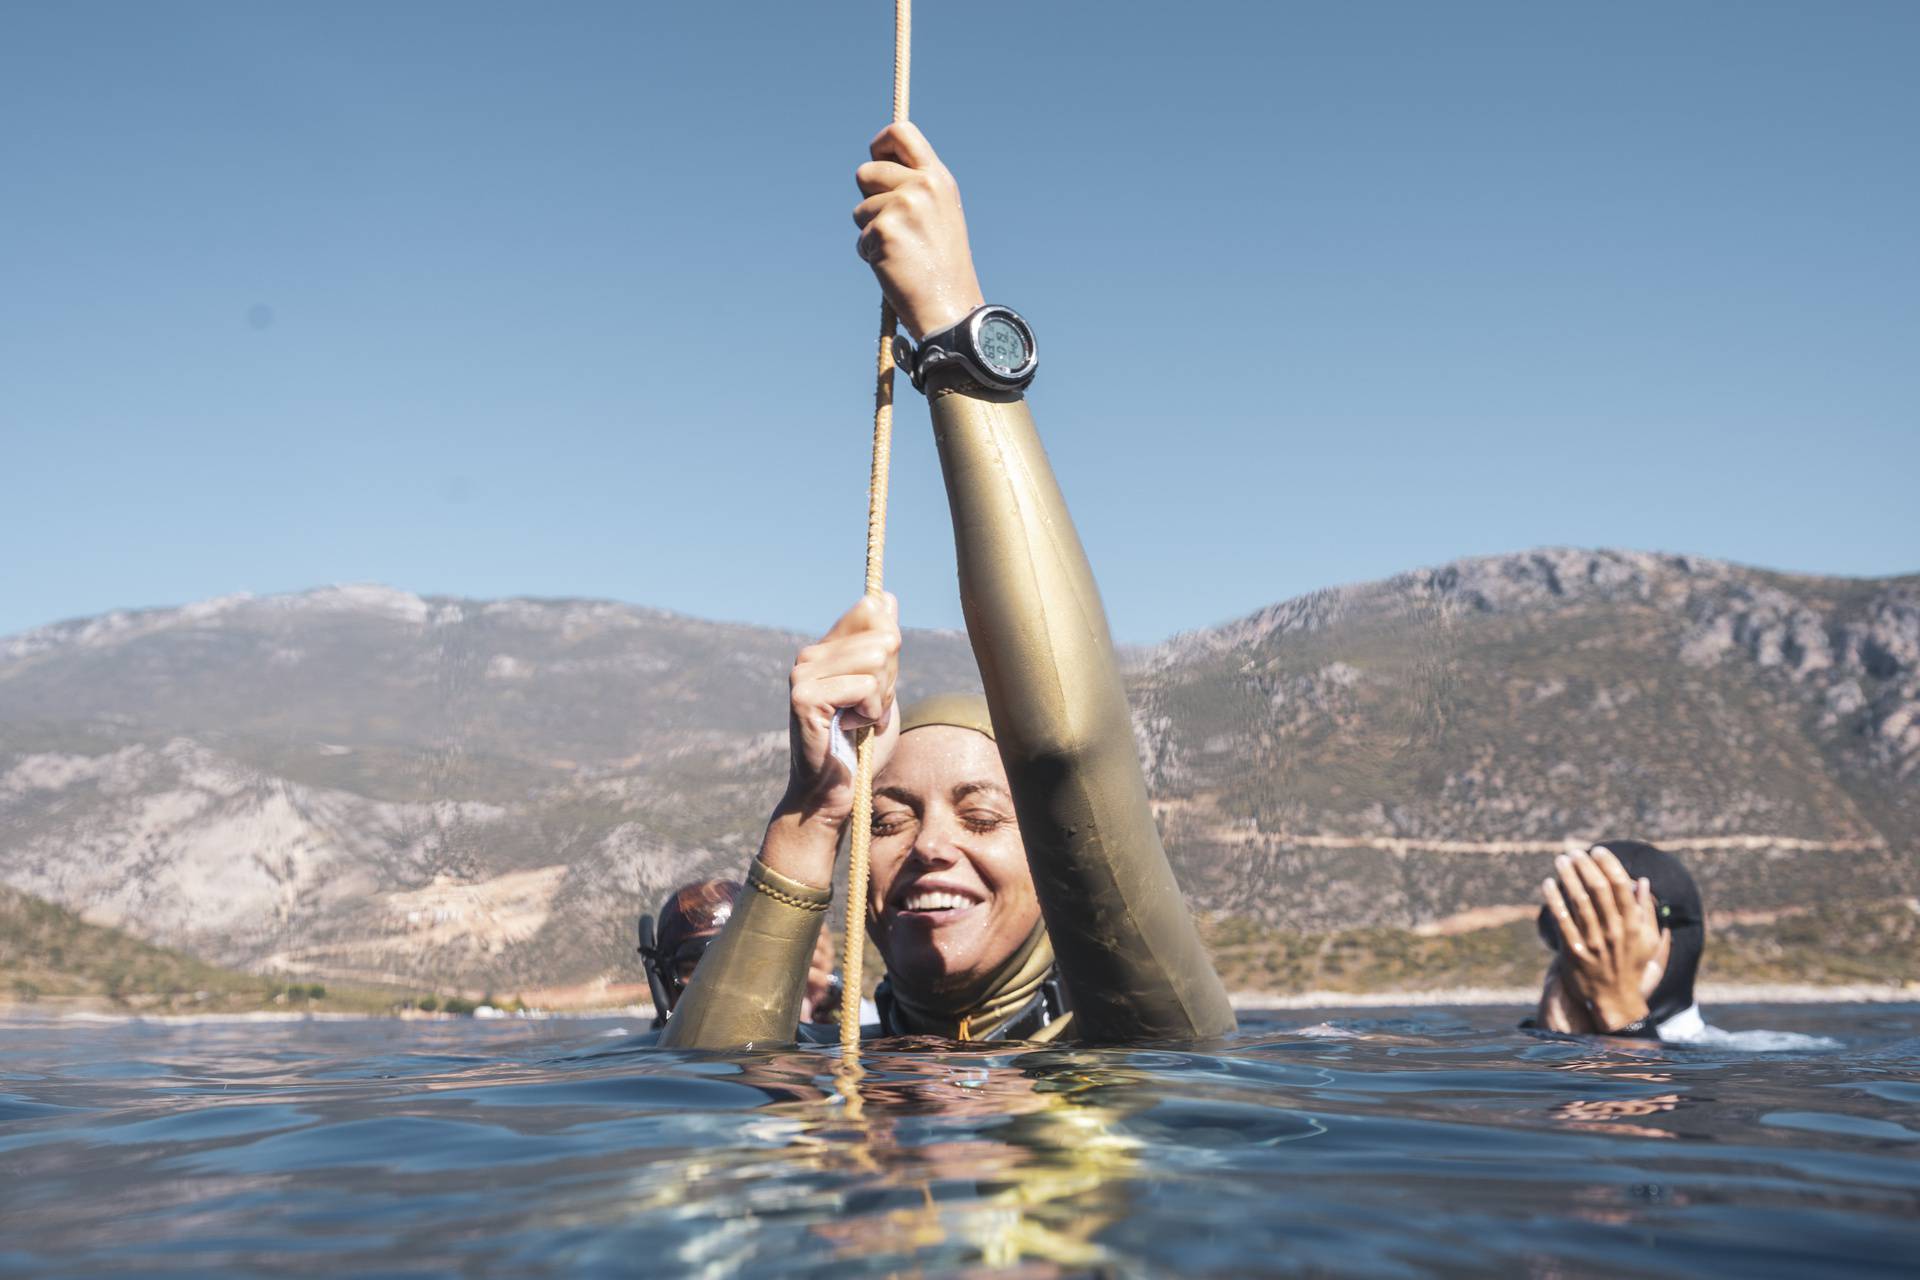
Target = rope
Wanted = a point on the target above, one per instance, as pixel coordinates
(854, 955)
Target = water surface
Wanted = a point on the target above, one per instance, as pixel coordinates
(1377, 1143)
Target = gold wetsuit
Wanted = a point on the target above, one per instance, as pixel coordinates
(1124, 943)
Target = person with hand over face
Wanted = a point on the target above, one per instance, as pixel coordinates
(1019, 888)
(1625, 924)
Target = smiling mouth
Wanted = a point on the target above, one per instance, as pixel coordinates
(935, 906)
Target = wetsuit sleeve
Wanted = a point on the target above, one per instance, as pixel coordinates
(1126, 945)
(748, 987)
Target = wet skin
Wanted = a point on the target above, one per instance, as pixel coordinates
(952, 897)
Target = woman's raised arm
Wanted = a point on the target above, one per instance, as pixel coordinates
(1126, 944)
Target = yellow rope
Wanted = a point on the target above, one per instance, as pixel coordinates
(854, 955)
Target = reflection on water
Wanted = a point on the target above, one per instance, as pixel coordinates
(1435, 1141)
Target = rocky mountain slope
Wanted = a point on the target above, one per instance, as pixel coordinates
(51, 959)
(361, 783)
(358, 783)
(1400, 752)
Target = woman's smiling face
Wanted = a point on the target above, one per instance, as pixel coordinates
(951, 898)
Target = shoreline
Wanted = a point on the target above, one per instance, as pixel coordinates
(34, 1013)
(1711, 994)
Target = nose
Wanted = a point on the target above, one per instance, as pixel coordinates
(935, 844)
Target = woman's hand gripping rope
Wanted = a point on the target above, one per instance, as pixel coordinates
(850, 673)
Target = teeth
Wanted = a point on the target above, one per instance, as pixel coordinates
(937, 900)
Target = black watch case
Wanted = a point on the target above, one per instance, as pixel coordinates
(967, 344)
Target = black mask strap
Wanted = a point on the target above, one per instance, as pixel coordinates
(649, 948)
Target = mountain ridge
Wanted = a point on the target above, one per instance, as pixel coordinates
(405, 599)
(361, 782)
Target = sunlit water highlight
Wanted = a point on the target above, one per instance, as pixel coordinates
(1435, 1141)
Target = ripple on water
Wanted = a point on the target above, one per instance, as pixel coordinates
(1390, 1145)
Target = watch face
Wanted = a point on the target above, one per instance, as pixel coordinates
(1002, 345)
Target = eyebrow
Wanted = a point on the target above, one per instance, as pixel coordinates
(961, 791)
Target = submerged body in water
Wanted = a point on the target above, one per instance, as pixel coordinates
(1431, 1140)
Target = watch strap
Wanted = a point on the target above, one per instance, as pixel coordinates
(1641, 1028)
(930, 353)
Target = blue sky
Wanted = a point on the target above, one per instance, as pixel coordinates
(493, 299)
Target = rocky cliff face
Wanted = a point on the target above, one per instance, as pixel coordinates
(360, 783)
(1396, 752)
(357, 782)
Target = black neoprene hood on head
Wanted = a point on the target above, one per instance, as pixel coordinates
(692, 911)
(1677, 901)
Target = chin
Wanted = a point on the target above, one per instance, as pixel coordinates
(923, 964)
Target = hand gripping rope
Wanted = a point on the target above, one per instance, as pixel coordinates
(861, 836)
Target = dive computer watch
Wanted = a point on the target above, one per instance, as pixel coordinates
(993, 345)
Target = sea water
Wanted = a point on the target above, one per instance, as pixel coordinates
(1381, 1143)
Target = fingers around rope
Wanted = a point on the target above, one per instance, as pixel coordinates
(913, 199)
(861, 698)
(903, 143)
(851, 694)
(878, 176)
(869, 613)
(850, 649)
(872, 616)
(864, 655)
(872, 208)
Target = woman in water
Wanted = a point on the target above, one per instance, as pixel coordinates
(1019, 886)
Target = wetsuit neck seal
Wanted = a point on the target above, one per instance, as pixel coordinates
(1016, 992)
(1047, 1006)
